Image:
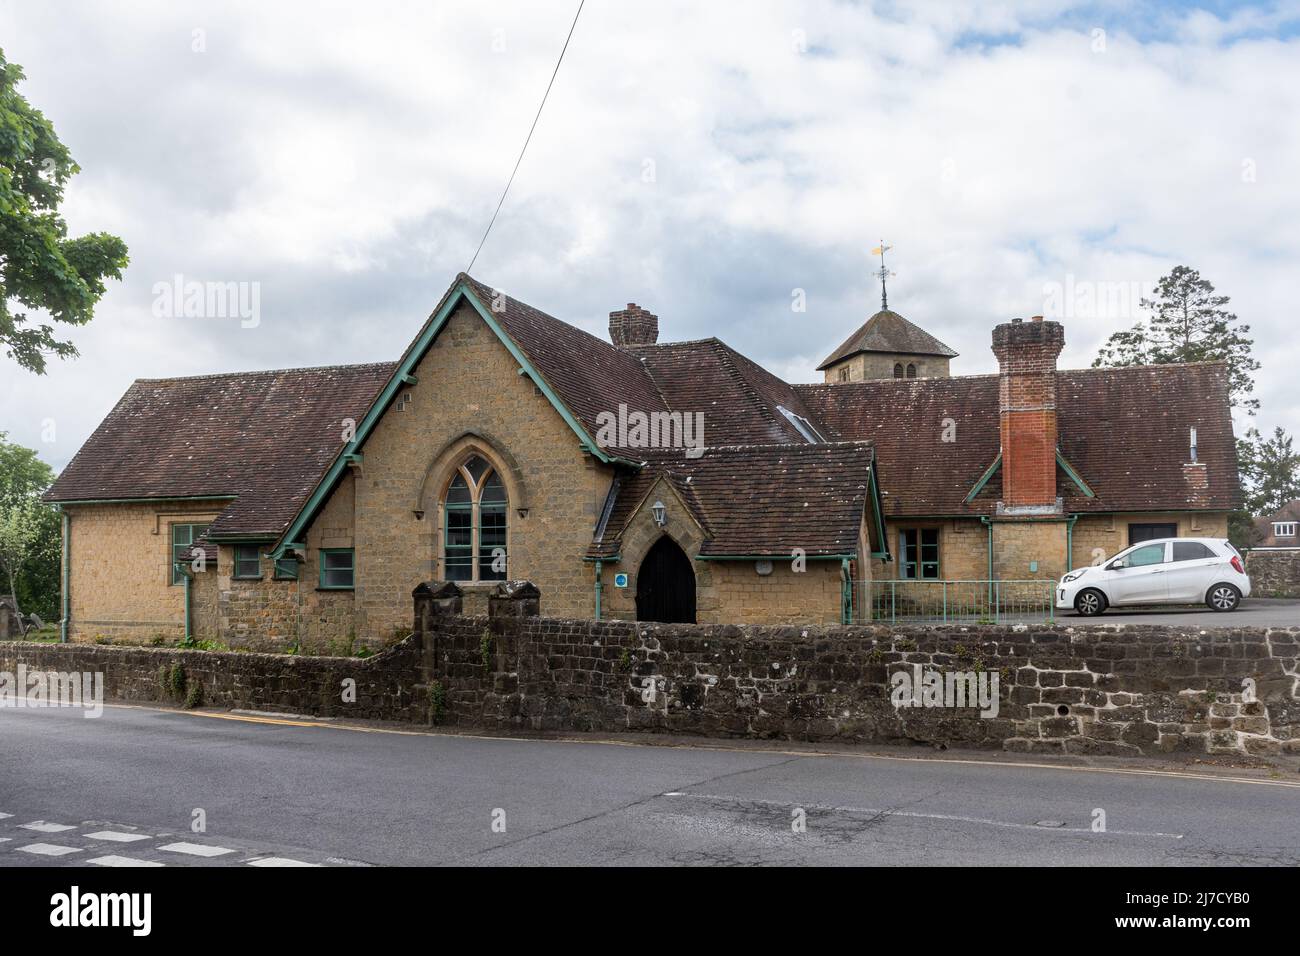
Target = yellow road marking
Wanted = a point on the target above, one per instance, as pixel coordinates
(715, 748)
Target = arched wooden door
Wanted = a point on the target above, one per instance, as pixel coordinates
(665, 585)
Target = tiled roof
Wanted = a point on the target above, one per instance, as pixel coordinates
(887, 331)
(588, 374)
(759, 499)
(1124, 430)
(268, 438)
(262, 436)
(1263, 536)
(737, 398)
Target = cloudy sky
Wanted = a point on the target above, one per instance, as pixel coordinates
(703, 160)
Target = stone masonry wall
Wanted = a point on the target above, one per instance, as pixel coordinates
(1274, 573)
(1122, 690)
(386, 684)
(120, 569)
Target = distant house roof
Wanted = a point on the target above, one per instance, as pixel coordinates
(889, 332)
(1264, 536)
(262, 438)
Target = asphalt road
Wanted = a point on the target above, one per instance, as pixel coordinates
(125, 787)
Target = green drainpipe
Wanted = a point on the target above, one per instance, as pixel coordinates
(988, 523)
(1069, 543)
(598, 566)
(185, 573)
(846, 593)
(67, 573)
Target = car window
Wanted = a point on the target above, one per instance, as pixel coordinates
(1148, 554)
(1191, 551)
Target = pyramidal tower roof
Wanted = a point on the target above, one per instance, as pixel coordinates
(887, 331)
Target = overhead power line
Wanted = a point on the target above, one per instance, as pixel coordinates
(528, 138)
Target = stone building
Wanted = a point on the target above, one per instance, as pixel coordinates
(887, 346)
(627, 479)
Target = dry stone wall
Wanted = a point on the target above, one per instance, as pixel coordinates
(1120, 689)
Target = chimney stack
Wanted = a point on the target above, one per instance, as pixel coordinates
(1027, 353)
(633, 326)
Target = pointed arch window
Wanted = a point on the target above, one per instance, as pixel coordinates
(898, 370)
(474, 523)
(911, 370)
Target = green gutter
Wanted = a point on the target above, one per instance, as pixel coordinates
(599, 563)
(984, 478)
(127, 501)
(397, 381)
(67, 574)
(594, 449)
(1074, 475)
(774, 557)
(874, 491)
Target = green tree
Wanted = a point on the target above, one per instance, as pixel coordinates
(1270, 470)
(40, 266)
(30, 537)
(1188, 323)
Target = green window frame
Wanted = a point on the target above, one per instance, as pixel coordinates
(338, 569)
(248, 563)
(475, 525)
(286, 568)
(183, 538)
(918, 553)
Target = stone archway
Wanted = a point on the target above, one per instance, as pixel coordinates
(665, 585)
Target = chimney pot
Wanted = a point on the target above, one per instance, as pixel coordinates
(633, 326)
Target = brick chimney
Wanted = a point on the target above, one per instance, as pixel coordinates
(1027, 353)
(633, 326)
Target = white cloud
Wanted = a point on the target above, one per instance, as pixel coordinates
(347, 157)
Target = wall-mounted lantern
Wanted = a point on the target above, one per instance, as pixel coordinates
(660, 513)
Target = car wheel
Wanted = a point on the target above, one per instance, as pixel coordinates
(1090, 603)
(1223, 597)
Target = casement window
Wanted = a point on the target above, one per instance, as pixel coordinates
(918, 553)
(248, 562)
(474, 523)
(183, 538)
(286, 568)
(337, 569)
(911, 370)
(898, 370)
(1284, 529)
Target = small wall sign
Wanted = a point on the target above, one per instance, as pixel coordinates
(620, 579)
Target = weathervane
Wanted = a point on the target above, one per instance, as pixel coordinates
(882, 273)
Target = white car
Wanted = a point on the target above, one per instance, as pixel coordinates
(1162, 571)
